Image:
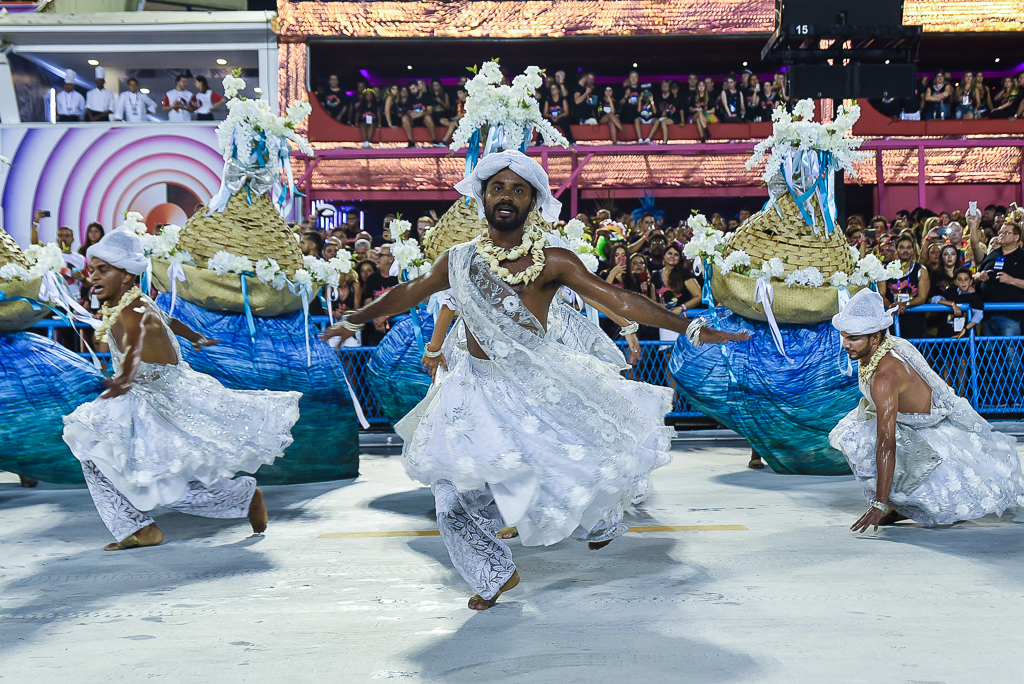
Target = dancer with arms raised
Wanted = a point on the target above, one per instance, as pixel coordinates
(527, 429)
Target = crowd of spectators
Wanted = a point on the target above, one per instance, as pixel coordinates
(940, 96)
(646, 106)
(133, 104)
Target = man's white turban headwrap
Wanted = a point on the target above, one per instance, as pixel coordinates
(864, 314)
(120, 248)
(524, 167)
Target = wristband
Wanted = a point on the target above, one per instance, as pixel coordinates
(432, 354)
(885, 508)
(200, 343)
(630, 329)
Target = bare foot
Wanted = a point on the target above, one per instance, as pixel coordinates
(258, 513)
(594, 546)
(27, 482)
(508, 533)
(150, 535)
(480, 603)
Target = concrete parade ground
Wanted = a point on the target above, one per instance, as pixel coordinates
(727, 575)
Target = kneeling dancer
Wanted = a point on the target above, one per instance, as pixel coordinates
(918, 450)
(526, 428)
(163, 434)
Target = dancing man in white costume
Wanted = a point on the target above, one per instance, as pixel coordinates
(534, 425)
(918, 450)
(162, 433)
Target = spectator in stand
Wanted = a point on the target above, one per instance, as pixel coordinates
(647, 114)
(966, 304)
(965, 106)
(176, 101)
(618, 263)
(981, 97)
(700, 108)
(423, 224)
(638, 237)
(629, 103)
(938, 99)
(675, 284)
(855, 238)
(1019, 111)
(585, 101)
(385, 259)
(205, 100)
(556, 110)
(460, 111)
(1000, 279)
(779, 88)
(350, 115)
(931, 256)
(687, 90)
(331, 248)
(943, 275)
(311, 244)
(93, 233)
(69, 102)
(419, 114)
(731, 108)
(658, 243)
(1005, 100)
(74, 271)
(713, 90)
(368, 116)
(361, 250)
(133, 105)
(334, 99)
(910, 289)
(563, 86)
(441, 108)
(606, 114)
(392, 113)
(755, 109)
(911, 109)
(99, 102)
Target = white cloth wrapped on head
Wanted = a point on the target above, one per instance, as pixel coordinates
(122, 249)
(523, 166)
(864, 314)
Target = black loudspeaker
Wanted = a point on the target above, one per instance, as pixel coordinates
(825, 13)
(851, 81)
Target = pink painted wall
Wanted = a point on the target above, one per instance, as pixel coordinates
(948, 197)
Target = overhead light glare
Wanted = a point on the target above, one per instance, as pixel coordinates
(634, 65)
(744, 64)
(94, 62)
(222, 61)
(997, 59)
(886, 61)
(144, 91)
(409, 67)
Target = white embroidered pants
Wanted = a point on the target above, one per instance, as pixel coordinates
(469, 525)
(223, 499)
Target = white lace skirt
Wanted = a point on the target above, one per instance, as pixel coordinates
(979, 472)
(548, 471)
(175, 426)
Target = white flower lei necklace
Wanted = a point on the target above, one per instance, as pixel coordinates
(868, 371)
(111, 314)
(533, 244)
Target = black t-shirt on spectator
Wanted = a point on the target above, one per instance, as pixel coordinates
(334, 101)
(996, 292)
(588, 108)
(378, 284)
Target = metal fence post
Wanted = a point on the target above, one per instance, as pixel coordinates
(973, 382)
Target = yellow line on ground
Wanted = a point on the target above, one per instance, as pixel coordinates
(435, 533)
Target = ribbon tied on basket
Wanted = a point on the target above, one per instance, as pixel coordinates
(764, 294)
(176, 274)
(236, 175)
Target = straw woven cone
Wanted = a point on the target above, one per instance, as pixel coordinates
(766, 235)
(254, 230)
(17, 315)
(461, 224)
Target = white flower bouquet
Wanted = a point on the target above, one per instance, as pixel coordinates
(163, 245)
(42, 259)
(512, 108)
(574, 233)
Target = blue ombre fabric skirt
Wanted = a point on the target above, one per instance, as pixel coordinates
(784, 408)
(326, 445)
(40, 383)
(394, 373)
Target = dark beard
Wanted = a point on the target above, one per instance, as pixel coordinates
(502, 225)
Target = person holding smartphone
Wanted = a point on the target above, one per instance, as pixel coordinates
(1000, 279)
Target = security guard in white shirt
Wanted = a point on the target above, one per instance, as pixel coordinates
(133, 105)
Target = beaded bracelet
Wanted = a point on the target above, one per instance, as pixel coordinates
(630, 329)
(432, 354)
(353, 327)
(693, 331)
(885, 508)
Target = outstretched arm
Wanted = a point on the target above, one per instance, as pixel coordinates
(198, 341)
(568, 270)
(885, 392)
(398, 299)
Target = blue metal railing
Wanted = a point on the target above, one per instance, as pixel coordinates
(988, 371)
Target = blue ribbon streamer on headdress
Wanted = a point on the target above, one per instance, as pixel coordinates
(709, 301)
